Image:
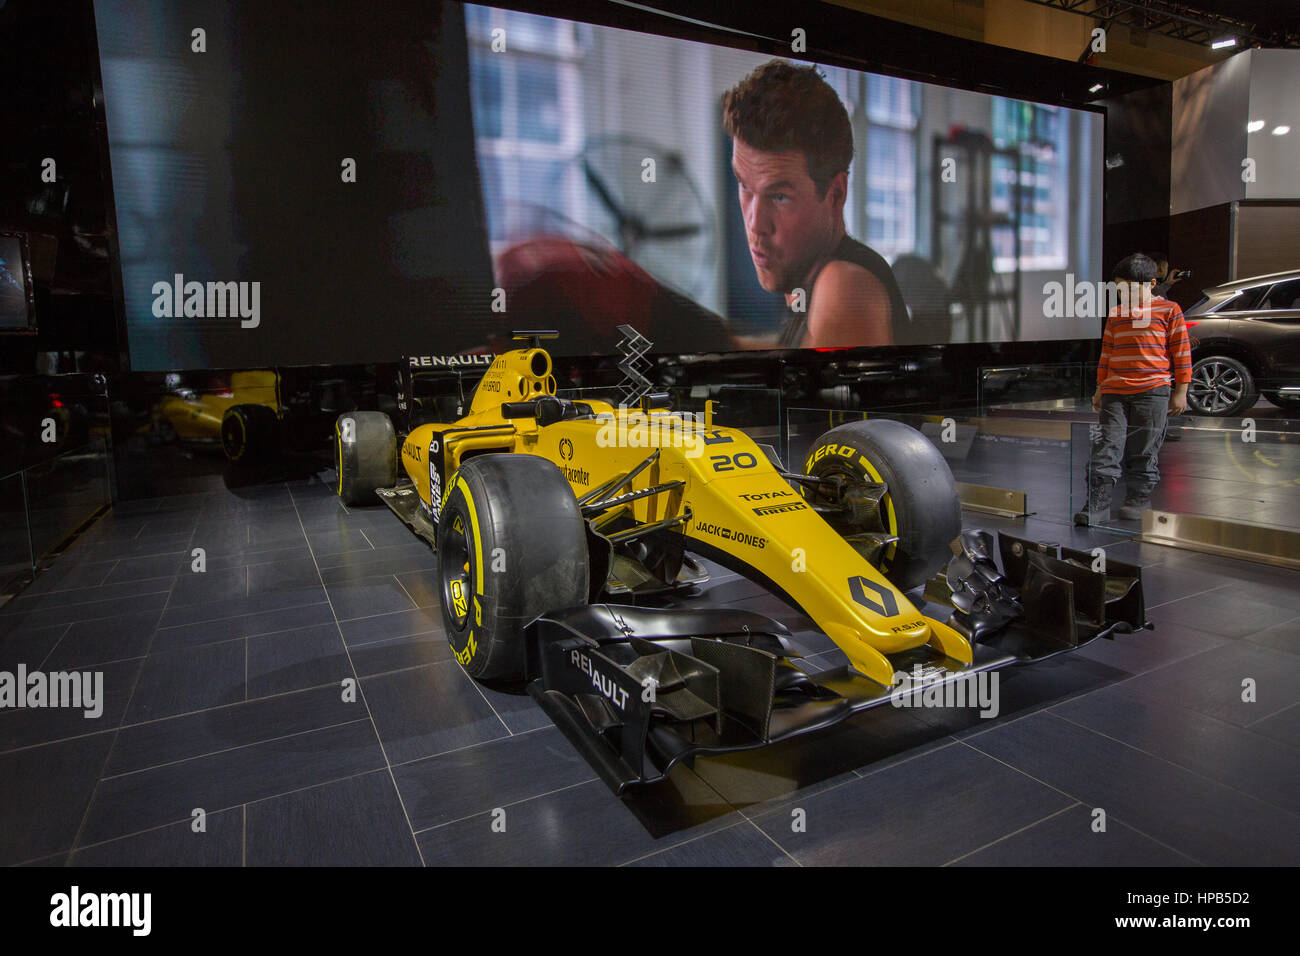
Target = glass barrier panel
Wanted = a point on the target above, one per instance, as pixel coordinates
(15, 535)
(66, 490)
(1245, 469)
(753, 409)
(1032, 389)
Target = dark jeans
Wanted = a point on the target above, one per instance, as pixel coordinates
(1132, 426)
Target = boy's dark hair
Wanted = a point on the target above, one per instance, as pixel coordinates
(1136, 268)
(781, 107)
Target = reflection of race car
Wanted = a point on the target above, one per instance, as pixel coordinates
(243, 418)
(263, 413)
(541, 509)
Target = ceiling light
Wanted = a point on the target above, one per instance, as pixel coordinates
(1096, 87)
(1254, 126)
(1223, 44)
(1281, 130)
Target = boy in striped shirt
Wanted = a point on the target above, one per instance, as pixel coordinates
(1142, 378)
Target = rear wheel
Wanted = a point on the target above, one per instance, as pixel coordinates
(512, 544)
(248, 433)
(365, 454)
(1222, 387)
(919, 503)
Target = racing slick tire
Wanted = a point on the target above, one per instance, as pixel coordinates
(248, 433)
(922, 506)
(365, 455)
(512, 544)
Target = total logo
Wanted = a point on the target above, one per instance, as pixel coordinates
(763, 495)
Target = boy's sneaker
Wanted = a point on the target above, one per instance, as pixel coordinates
(1098, 507)
(1133, 508)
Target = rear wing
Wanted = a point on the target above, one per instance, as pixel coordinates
(436, 388)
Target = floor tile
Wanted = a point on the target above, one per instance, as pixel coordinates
(175, 636)
(353, 822)
(173, 739)
(219, 843)
(888, 818)
(740, 845)
(1234, 756)
(442, 789)
(95, 642)
(416, 650)
(1212, 683)
(385, 627)
(429, 710)
(234, 607)
(188, 679)
(1070, 839)
(169, 793)
(110, 687)
(368, 596)
(297, 659)
(43, 795)
(1209, 822)
(584, 825)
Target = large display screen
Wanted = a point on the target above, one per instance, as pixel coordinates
(514, 171)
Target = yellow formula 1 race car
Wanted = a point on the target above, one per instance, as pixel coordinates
(552, 518)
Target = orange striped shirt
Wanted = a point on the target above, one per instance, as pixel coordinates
(1144, 348)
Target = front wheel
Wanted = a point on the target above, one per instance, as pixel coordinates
(1222, 387)
(919, 504)
(512, 544)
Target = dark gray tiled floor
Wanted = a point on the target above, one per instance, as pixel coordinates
(301, 693)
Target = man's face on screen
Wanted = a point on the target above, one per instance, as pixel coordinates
(787, 225)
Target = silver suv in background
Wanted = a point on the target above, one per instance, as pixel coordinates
(1245, 338)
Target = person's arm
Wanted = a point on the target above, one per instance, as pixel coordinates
(849, 308)
(1179, 351)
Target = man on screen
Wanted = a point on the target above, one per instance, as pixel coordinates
(791, 149)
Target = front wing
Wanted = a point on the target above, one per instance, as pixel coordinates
(636, 690)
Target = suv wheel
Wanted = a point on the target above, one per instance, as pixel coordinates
(1222, 387)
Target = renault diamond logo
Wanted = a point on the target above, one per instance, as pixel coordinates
(887, 605)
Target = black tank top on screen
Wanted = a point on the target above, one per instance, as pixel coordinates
(850, 250)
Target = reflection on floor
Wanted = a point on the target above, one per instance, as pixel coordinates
(223, 693)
